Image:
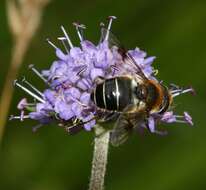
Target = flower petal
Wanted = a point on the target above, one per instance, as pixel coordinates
(85, 98)
(151, 124)
(188, 118)
(21, 105)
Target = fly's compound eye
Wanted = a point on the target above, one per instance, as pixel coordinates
(141, 92)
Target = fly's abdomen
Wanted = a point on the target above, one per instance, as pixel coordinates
(113, 94)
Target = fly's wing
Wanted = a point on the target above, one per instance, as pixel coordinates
(130, 60)
(114, 42)
(125, 124)
(112, 39)
(121, 131)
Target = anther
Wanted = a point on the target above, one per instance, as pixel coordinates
(51, 43)
(30, 85)
(111, 18)
(79, 28)
(11, 117)
(102, 24)
(28, 91)
(193, 92)
(31, 66)
(67, 37)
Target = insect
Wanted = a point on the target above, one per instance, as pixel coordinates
(129, 98)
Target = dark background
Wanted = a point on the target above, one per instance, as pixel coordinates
(175, 32)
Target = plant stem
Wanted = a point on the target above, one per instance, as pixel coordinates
(18, 54)
(99, 162)
(23, 18)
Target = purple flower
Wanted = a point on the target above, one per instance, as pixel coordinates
(72, 78)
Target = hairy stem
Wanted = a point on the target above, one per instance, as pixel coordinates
(99, 162)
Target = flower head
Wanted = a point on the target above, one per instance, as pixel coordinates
(72, 77)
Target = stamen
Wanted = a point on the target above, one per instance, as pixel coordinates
(179, 116)
(109, 26)
(102, 26)
(114, 69)
(82, 70)
(181, 91)
(175, 91)
(31, 66)
(23, 104)
(28, 91)
(180, 121)
(30, 85)
(12, 117)
(67, 37)
(174, 86)
(30, 104)
(52, 44)
(62, 39)
(188, 118)
(79, 32)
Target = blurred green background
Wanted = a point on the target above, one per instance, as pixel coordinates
(175, 32)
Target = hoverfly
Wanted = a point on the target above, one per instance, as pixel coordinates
(129, 98)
